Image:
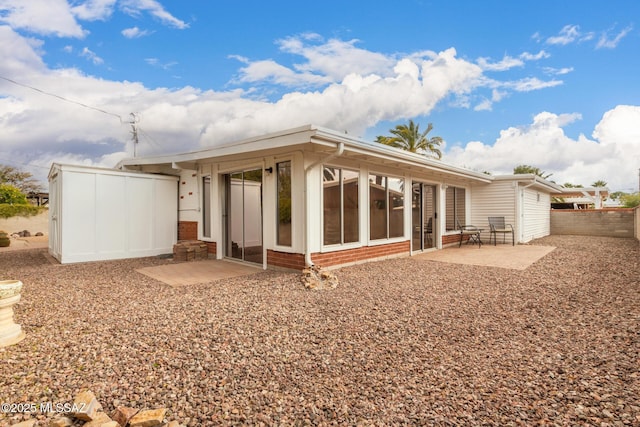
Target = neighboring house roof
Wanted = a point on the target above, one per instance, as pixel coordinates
(316, 139)
(584, 192)
(584, 195)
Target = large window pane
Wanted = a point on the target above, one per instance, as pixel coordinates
(455, 207)
(377, 207)
(386, 207)
(351, 218)
(340, 206)
(396, 207)
(206, 206)
(332, 203)
(284, 203)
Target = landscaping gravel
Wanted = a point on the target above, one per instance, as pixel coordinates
(401, 341)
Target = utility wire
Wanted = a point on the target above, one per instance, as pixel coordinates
(61, 98)
(148, 137)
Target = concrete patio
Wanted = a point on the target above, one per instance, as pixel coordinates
(517, 257)
(191, 273)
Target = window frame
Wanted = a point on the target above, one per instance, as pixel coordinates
(341, 181)
(402, 184)
(277, 170)
(207, 207)
(455, 210)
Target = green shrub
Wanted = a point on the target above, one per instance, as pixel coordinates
(12, 195)
(25, 210)
(630, 200)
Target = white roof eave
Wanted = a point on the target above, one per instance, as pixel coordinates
(324, 139)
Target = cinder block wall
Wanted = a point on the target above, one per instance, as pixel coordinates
(601, 222)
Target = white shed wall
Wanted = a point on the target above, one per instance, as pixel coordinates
(535, 215)
(495, 199)
(100, 214)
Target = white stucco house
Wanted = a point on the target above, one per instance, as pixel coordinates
(312, 195)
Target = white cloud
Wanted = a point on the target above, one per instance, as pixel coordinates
(557, 71)
(569, 34)
(620, 126)
(91, 56)
(155, 9)
(45, 17)
(485, 105)
(268, 71)
(613, 156)
(156, 63)
(611, 43)
(353, 90)
(134, 33)
(534, 56)
(20, 55)
(335, 58)
(531, 83)
(506, 63)
(94, 10)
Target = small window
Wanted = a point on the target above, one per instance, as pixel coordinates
(284, 203)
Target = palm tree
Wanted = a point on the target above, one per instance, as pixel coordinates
(409, 138)
(599, 183)
(526, 169)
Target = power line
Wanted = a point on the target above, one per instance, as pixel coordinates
(61, 98)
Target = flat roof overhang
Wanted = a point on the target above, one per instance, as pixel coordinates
(311, 139)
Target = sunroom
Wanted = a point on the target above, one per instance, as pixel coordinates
(311, 195)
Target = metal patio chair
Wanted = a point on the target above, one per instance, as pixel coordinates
(497, 225)
(469, 230)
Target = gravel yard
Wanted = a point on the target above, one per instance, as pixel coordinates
(403, 341)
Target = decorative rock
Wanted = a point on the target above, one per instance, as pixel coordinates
(315, 277)
(87, 405)
(28, 423)
(61, 422)
(99, 420)
(123, 414)
(149, 418)
(39, 234)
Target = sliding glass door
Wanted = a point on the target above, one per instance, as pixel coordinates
(423, 215)
(244, 216)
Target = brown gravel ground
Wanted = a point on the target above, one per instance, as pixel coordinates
(398, 342)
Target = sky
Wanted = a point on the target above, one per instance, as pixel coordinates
(547, 83)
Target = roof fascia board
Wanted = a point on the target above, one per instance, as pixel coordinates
(381, 151)
(318, 136)
(531, 180)
(275, 140)
(104, 171)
